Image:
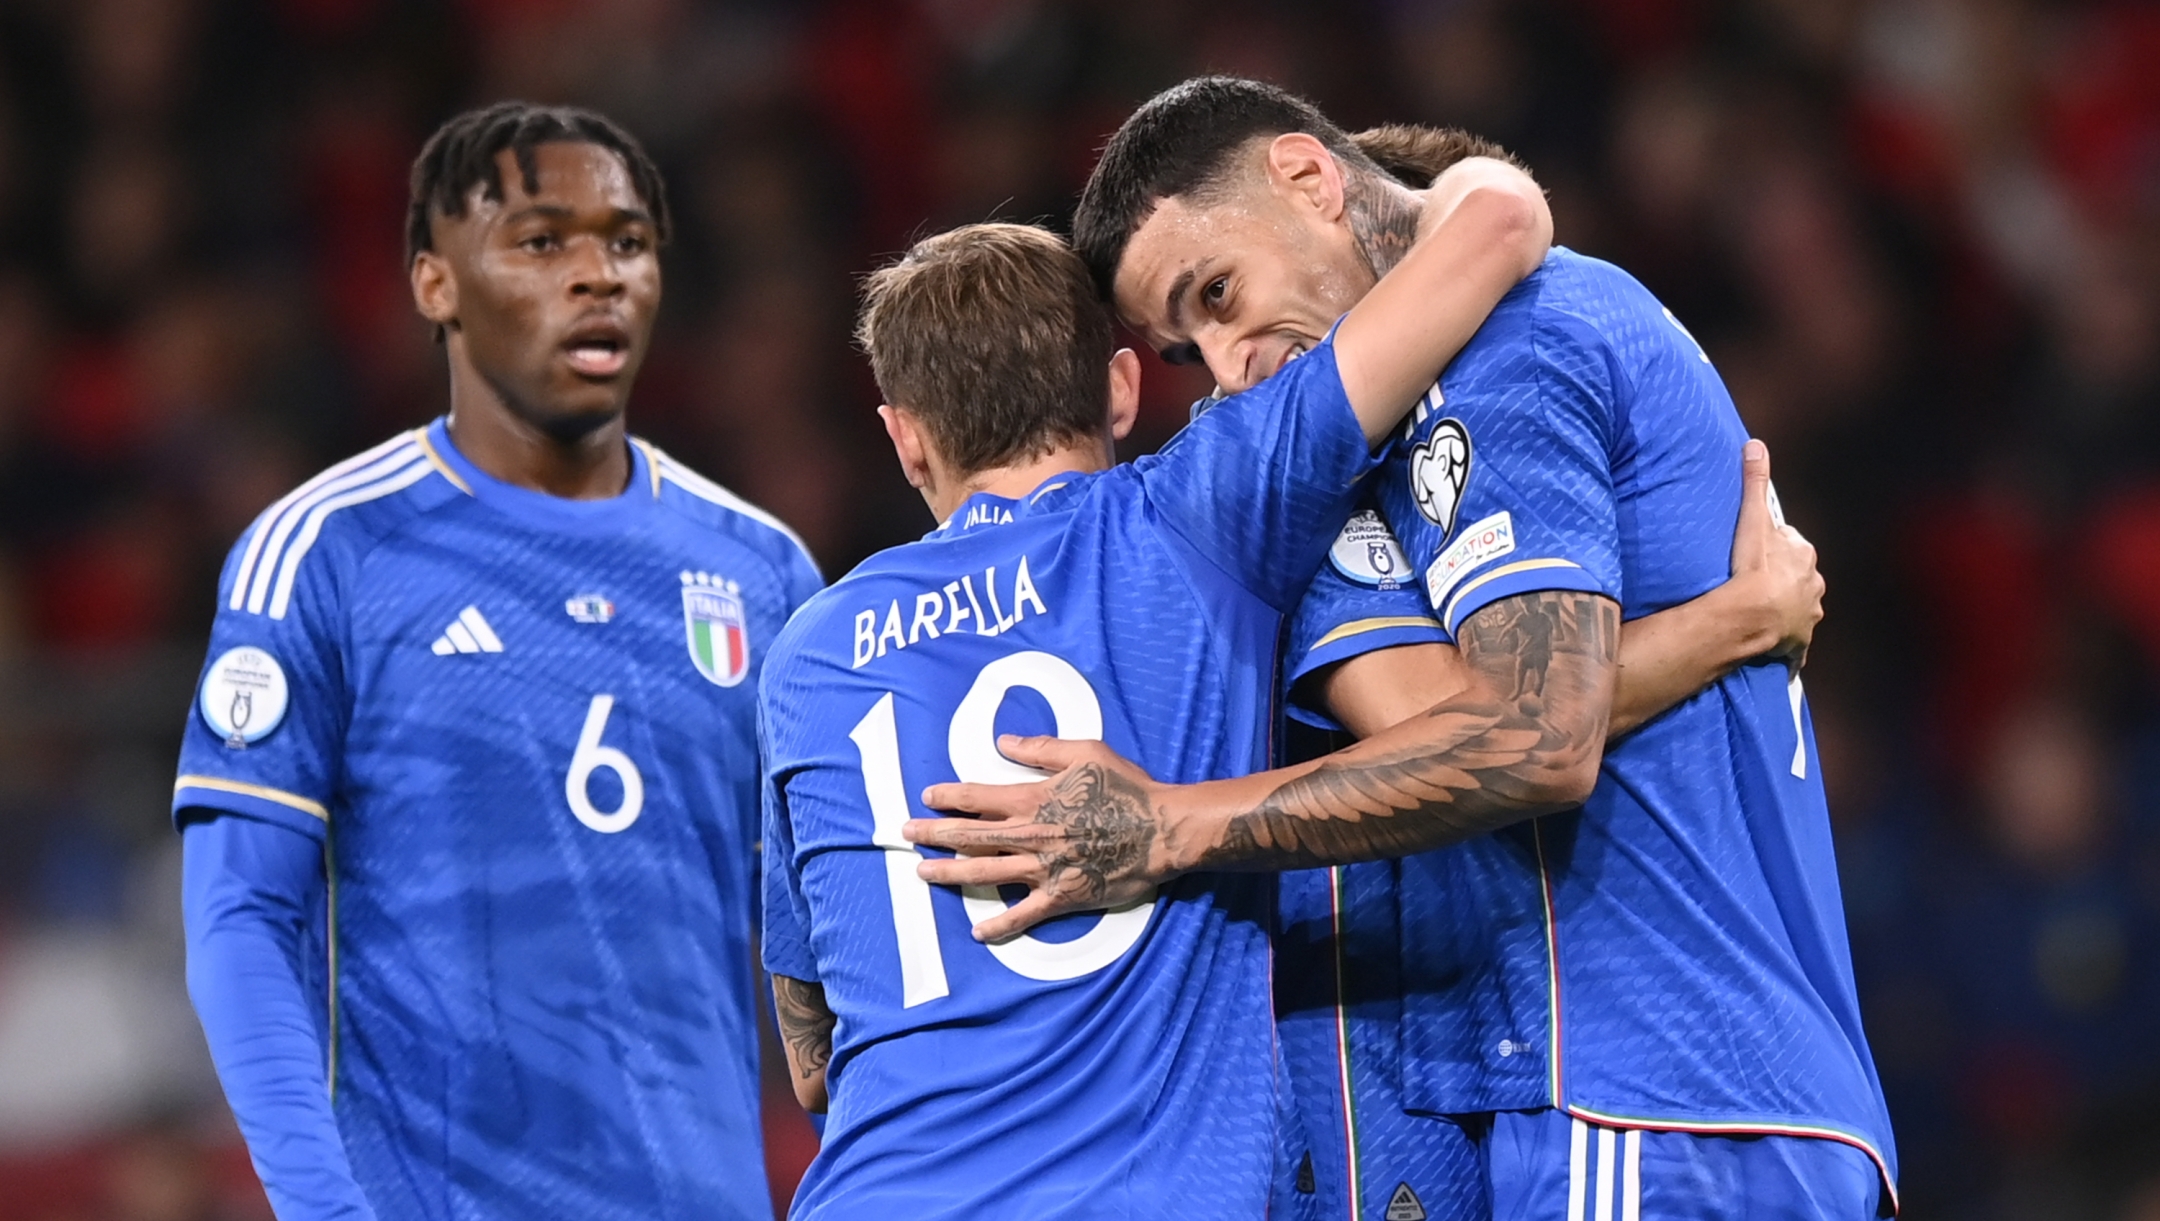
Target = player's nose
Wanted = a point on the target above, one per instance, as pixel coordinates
(593, 273)
(1230, 359)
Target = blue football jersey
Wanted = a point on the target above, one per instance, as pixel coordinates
(1117, 1064)
(523, 728)
(1673, 955)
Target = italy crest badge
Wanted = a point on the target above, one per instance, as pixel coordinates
(716, 626)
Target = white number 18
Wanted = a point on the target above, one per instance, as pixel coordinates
(971, 741)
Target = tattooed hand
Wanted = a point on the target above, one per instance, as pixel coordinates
(1087, 838)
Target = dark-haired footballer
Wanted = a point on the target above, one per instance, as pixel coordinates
(468, 795)
(1622, 966)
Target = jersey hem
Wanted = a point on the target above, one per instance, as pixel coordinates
(1363, 636)
(257, 801)
(1510, 580)
(807, 974)
(1746, 1127)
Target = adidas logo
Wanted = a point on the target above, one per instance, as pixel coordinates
(468, 633)
(1404, 1205)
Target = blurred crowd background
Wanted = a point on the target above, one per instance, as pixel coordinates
(1921, 238)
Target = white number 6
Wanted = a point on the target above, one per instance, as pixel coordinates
(589, 757)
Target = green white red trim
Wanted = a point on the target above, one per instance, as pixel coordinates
(1699, 1127)
(1342, 1042)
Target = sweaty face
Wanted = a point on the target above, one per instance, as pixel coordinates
(556, 288)
(1246, 284)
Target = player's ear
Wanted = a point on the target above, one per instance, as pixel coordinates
(1124, 392)
(907, 443)
(434, 289)
(1306, 175)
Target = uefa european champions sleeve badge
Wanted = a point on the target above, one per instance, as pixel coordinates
(1366, 552)
(244, 696)
(718, 627)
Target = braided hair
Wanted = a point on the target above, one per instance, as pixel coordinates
(461, 155)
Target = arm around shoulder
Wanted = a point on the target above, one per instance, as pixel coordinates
(1485, 226)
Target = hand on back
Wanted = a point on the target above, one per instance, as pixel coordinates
(1774, 562)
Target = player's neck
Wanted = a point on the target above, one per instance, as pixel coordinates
(592, 466)
(1015, 481)
(1384, 219)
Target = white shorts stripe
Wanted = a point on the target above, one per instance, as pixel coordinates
(305, 540)
(1578, 1167)
(269, 519)
(1631, 1177)
(1604, 1174)
(266, 567)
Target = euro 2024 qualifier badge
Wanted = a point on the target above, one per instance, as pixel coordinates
(717, 627)
(244, 696)
(1439, 471)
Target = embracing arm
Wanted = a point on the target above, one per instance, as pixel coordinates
(1666, 658)
(1769, 607)
(1523, 738)
(1484, 226)
(806, 1026)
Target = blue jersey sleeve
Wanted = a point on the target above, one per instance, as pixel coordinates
(264, 736)
(787, 918)
(1510, 474)
(247, 892)
(1261, 481)
(1365, 598)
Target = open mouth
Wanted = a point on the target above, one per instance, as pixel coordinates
(1290, 353)
(599, 348)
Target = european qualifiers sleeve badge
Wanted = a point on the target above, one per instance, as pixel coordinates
(717, 627)
(1439, 471)
(244, 696)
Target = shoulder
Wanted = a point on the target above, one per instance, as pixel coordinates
(1590, 299)
(817, 645)
(1569, 319)
(333, 519)
(878, 579)
(708, 504)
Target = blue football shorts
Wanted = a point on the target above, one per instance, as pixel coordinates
(1550, 1166)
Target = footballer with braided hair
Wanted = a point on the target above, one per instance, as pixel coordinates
(468, 796)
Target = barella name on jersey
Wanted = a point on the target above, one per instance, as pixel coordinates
(962, 605)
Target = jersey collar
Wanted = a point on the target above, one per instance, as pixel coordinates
(984, 510)
(539, 508)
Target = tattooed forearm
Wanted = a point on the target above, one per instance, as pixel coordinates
(1383, 220)
(1524, 739)
(806, 1024)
